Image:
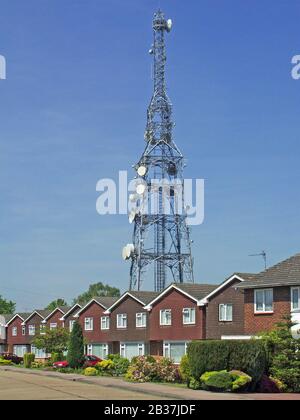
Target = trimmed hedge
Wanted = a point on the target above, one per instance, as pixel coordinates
(248, 356)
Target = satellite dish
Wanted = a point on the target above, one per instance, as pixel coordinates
(132, 198)
(169, 25)
(140, 189)
(295, 330)
(142, 170)
(151, 51)
(131, 217)
(127, 251)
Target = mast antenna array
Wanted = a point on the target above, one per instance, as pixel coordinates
(161, 240)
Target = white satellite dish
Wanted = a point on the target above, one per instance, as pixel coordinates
(169, 25)
(140, 189)
(142, 170)
(132, 198)
(124, 253)
(295, 330)
(131, 217)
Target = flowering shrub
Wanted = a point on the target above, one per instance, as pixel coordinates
(106, 367)
(90, 371)
(4, 362)
(147, 369)
(224, 381)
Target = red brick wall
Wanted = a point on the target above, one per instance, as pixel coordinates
(55, 319)
(176, 301)
(215, 328)
(255, 323)
(19, 339)
(130, 307)
(97, 335)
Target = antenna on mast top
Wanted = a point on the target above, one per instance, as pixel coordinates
(262, 254)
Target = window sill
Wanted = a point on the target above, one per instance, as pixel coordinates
(264, 313)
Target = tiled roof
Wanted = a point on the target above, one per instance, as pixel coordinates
(144, 296)
(106, 301)
(285, 273)
(196, 290)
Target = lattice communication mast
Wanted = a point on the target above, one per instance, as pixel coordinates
(161, 240)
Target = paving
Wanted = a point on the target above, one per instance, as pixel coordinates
(22, 384)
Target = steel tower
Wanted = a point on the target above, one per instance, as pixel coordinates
(161, 239)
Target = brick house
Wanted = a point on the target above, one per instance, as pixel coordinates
(129, 324)
(176, 317)
(17, 339)
(54, 319)
(271, 295)
(96, 325)
(69, 318)
(224, 308)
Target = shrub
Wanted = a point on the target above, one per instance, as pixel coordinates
(75, 355)
(4, 362)
(28, 360)
(216, 355)
(194, 384)
(241, 381)
(121, 364)
(219, 382)
(106, 367)
(37, 365)
(267, 386)
(90, 371)
(57, 357)
(185, 370)
(284, 356)
(145, 369)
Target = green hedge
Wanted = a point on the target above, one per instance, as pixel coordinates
(248, 356)
(28, 360)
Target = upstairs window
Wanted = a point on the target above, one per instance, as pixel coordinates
(263, 300)
(14, 331)
(71, 325)
(31, 330)
(122, 321)
(23, 330)
(188, 316)
(105, 323)
(88, 324)
(295, 298)
(42, 329)
(166, 317)
(53, 326)
(141, 320)
(225, 312)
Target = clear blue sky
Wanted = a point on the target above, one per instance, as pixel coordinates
(73, 110)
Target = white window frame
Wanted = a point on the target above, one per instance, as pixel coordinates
(189, 312)
(123, 319)
(42, 329)
(263, 311)
(225, 305)
(31, 330)
(53, 325)
(292, 307)
(89, 324)
(14, 331)
(105, 323)
(162, 315)
(167, 348)
(141, 320)
(89, 349)
(23, 330)
(123, 349)
(71, 325)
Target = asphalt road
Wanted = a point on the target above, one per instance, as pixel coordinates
(23, 386)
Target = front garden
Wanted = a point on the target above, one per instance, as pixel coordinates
(268, 365)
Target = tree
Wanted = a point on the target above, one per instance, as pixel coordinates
(284, 355)
(55, 303)
(7, 306)
(75, 355)
(97, 289)
(52, 341)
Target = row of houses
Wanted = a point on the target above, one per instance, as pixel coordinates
(141, 322)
